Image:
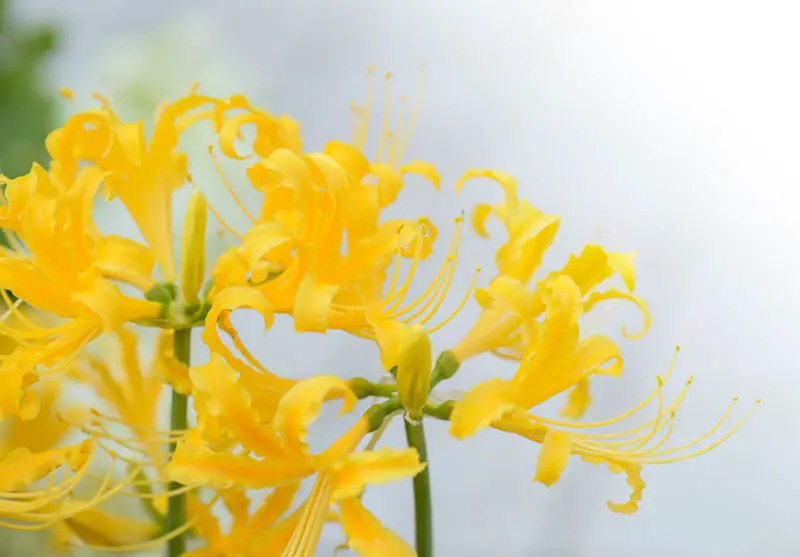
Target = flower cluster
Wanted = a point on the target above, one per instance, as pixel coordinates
(319, 249)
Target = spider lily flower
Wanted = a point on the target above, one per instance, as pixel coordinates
(281, 457)
(317, 244)
(60, 265)
(561, 360)
(142, 173)
(508, 301)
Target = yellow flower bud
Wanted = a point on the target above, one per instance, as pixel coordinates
(406, 348)
(193, 247)
(414, 369)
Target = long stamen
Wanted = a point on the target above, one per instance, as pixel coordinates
(307, 532)
(393, 158)
(216, 213)
(396, 298)
(386, 133)
(229, 187)
(618, 418)
(414, 116)
(461, 304)
(445, 271)
(362, 132)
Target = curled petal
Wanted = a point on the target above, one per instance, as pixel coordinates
(424, 169)
(481, 405)
(367, 536)
(634, 480)
(230, 299)
(622, 263)
(506, 181)
(578, 401)
(553, 457)
(357, 470)
(479, 215)
(302, 404)
(641, 305)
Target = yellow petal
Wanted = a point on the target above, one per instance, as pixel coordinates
(553, 457)
(113, 308)
(98, 527)
(230, 299)
(166, 365)
(313, 305)
(219, 397)
(424, 169)
(510, 295)
(481, 405)
(578, 401)
(194, 464)
(367, 536)
(16, 399)
(532, 234)
(20, 276)
(596, 297)
(479, 216)
(588, 269)
(506, 181)
(274, 506)
(46, 429)
(125, 260)
(20, 468)
(633, 473)
(622, 263)
(357, 470)
(302, 404)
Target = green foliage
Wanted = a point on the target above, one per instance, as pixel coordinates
(27, 109)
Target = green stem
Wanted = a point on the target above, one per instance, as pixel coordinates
(415, 434)
(176, 510)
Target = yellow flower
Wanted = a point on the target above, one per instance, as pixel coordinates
(557, 361)
(508, 302)
(317, 249)
(142, 173)
(282, 458)
(61, 266)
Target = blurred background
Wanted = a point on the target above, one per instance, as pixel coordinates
(671, 129)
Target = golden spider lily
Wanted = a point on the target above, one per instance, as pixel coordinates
(34, 498)
(560, 360)
(281, 459)
(317, 249)
(61, 266)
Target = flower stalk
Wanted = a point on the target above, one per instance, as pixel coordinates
(176, 509)
(423, 512)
